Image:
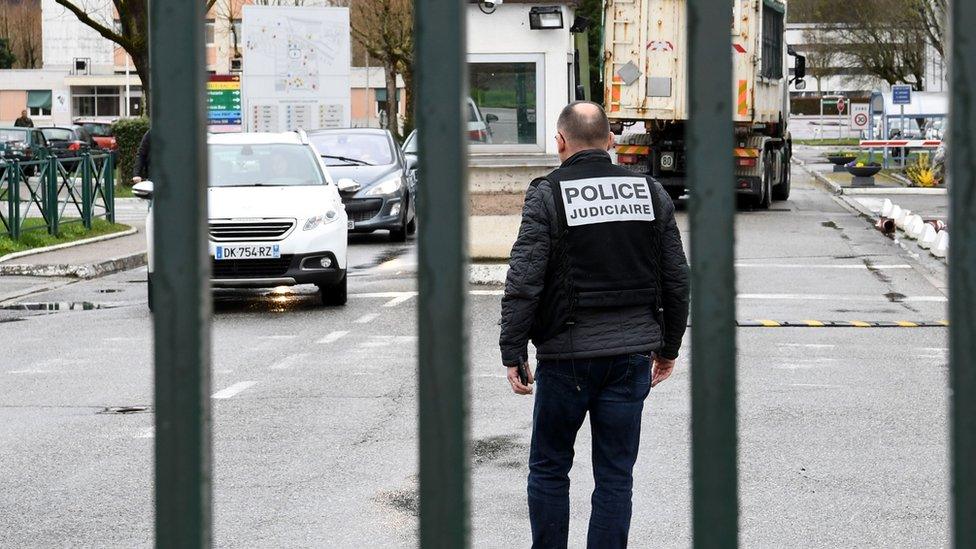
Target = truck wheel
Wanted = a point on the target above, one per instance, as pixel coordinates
(765, 198)
(782, 191)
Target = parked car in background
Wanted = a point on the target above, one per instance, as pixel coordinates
(100, 129)
(479, 125)
(275, 216)
(22, 145)
(68, 141)
(375, 181)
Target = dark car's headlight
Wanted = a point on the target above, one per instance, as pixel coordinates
(386, 187)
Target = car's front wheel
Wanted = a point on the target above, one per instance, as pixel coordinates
(334, 294)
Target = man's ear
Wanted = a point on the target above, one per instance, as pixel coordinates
(611, 141)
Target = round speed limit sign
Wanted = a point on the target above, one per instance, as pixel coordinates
(860, 119)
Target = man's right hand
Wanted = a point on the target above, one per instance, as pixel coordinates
(517, 386)
(136, 179)
(661, 370)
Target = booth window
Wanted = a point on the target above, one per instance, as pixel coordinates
(39, 102)
(772, 39)
(95, 101)
(505, 100)
(208, 31)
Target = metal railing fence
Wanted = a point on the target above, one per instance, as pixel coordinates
(58, 191)
(182, 318)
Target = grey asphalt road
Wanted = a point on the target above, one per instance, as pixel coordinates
(842, 431)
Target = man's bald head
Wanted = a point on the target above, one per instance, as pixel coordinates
(584, 125)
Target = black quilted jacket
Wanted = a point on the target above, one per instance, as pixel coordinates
(598, 332)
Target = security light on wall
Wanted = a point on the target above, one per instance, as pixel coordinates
(548, 17)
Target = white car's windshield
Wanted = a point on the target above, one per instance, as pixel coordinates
(271, 165)
(13, 135)
(350, 149)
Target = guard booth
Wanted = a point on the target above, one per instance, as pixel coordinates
(183, 456)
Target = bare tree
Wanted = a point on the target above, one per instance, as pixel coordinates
(384, 28)
(822, 54)
(934, 16)
(20, 25)
(131, 34)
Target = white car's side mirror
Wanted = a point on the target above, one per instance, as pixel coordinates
(143, 189)
(347, 185)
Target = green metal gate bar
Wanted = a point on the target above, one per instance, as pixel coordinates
(180, 278)
(711, 213)
(962, 271)
(443, 275)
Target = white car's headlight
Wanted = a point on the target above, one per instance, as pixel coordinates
(386, 187)
(324, 219)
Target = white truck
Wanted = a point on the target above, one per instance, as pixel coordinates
(646, 84)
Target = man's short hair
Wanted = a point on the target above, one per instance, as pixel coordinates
(584, 127)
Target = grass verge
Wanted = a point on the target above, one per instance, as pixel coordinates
(834, 142)
(38, 238)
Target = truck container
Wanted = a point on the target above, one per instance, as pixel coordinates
(646, 88)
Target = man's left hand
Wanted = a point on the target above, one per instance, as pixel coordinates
(517, 386)
(662, 370)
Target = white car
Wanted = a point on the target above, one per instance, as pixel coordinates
(275, 215)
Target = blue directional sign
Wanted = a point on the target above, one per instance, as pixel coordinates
(901, 95)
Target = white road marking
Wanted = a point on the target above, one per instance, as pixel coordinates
(367, 318)
(487, 292)
(289, 361)
(827, 297)
(857, 267)
(383, 341)
(398, 300)
(334, 336)
(234, 390)
(814, 385)
(278, 337)
(148, 432)
(29, 371)
(809, 345)
(382, 294)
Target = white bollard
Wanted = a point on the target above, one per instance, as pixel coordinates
(896, 212)
(941, 246)
(902, 220)
(928, 238)
(914, 227)
(886, 208)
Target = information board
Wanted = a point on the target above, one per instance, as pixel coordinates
(224, 104)
(901, 95)
(296, 68)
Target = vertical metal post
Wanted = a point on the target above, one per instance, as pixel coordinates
(13, 206)
(712, 214)
(443, 275)
(962, 271)
(51, 192)
(109, 188)
(180, 277)
(86, 191)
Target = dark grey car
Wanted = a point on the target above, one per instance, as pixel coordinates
(375, 182)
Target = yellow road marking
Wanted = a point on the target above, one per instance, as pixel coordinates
(770, 323)
(860, 324)
(944, 322)
(814, 323)
(905, 324)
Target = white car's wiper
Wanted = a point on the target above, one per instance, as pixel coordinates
(347, 159)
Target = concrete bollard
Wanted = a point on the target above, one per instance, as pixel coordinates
(928, 238)
(902, 219)
(913, 228)
(941, 246)
(896, 212)
(886, 208)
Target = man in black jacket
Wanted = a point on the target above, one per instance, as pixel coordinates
(598, 281)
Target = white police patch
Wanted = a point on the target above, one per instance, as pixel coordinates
(607, 199)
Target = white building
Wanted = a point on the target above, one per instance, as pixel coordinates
(518, 85)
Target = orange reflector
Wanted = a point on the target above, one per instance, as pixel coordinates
(746, 162)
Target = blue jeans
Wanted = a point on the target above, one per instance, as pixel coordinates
(612, 390)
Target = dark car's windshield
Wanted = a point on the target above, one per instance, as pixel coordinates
(13, 135)
(345, 149)
(58, 134)
(263, 165)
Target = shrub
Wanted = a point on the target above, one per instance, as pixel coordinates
(128, 134)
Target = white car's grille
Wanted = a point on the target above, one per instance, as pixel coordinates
(270, 229)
